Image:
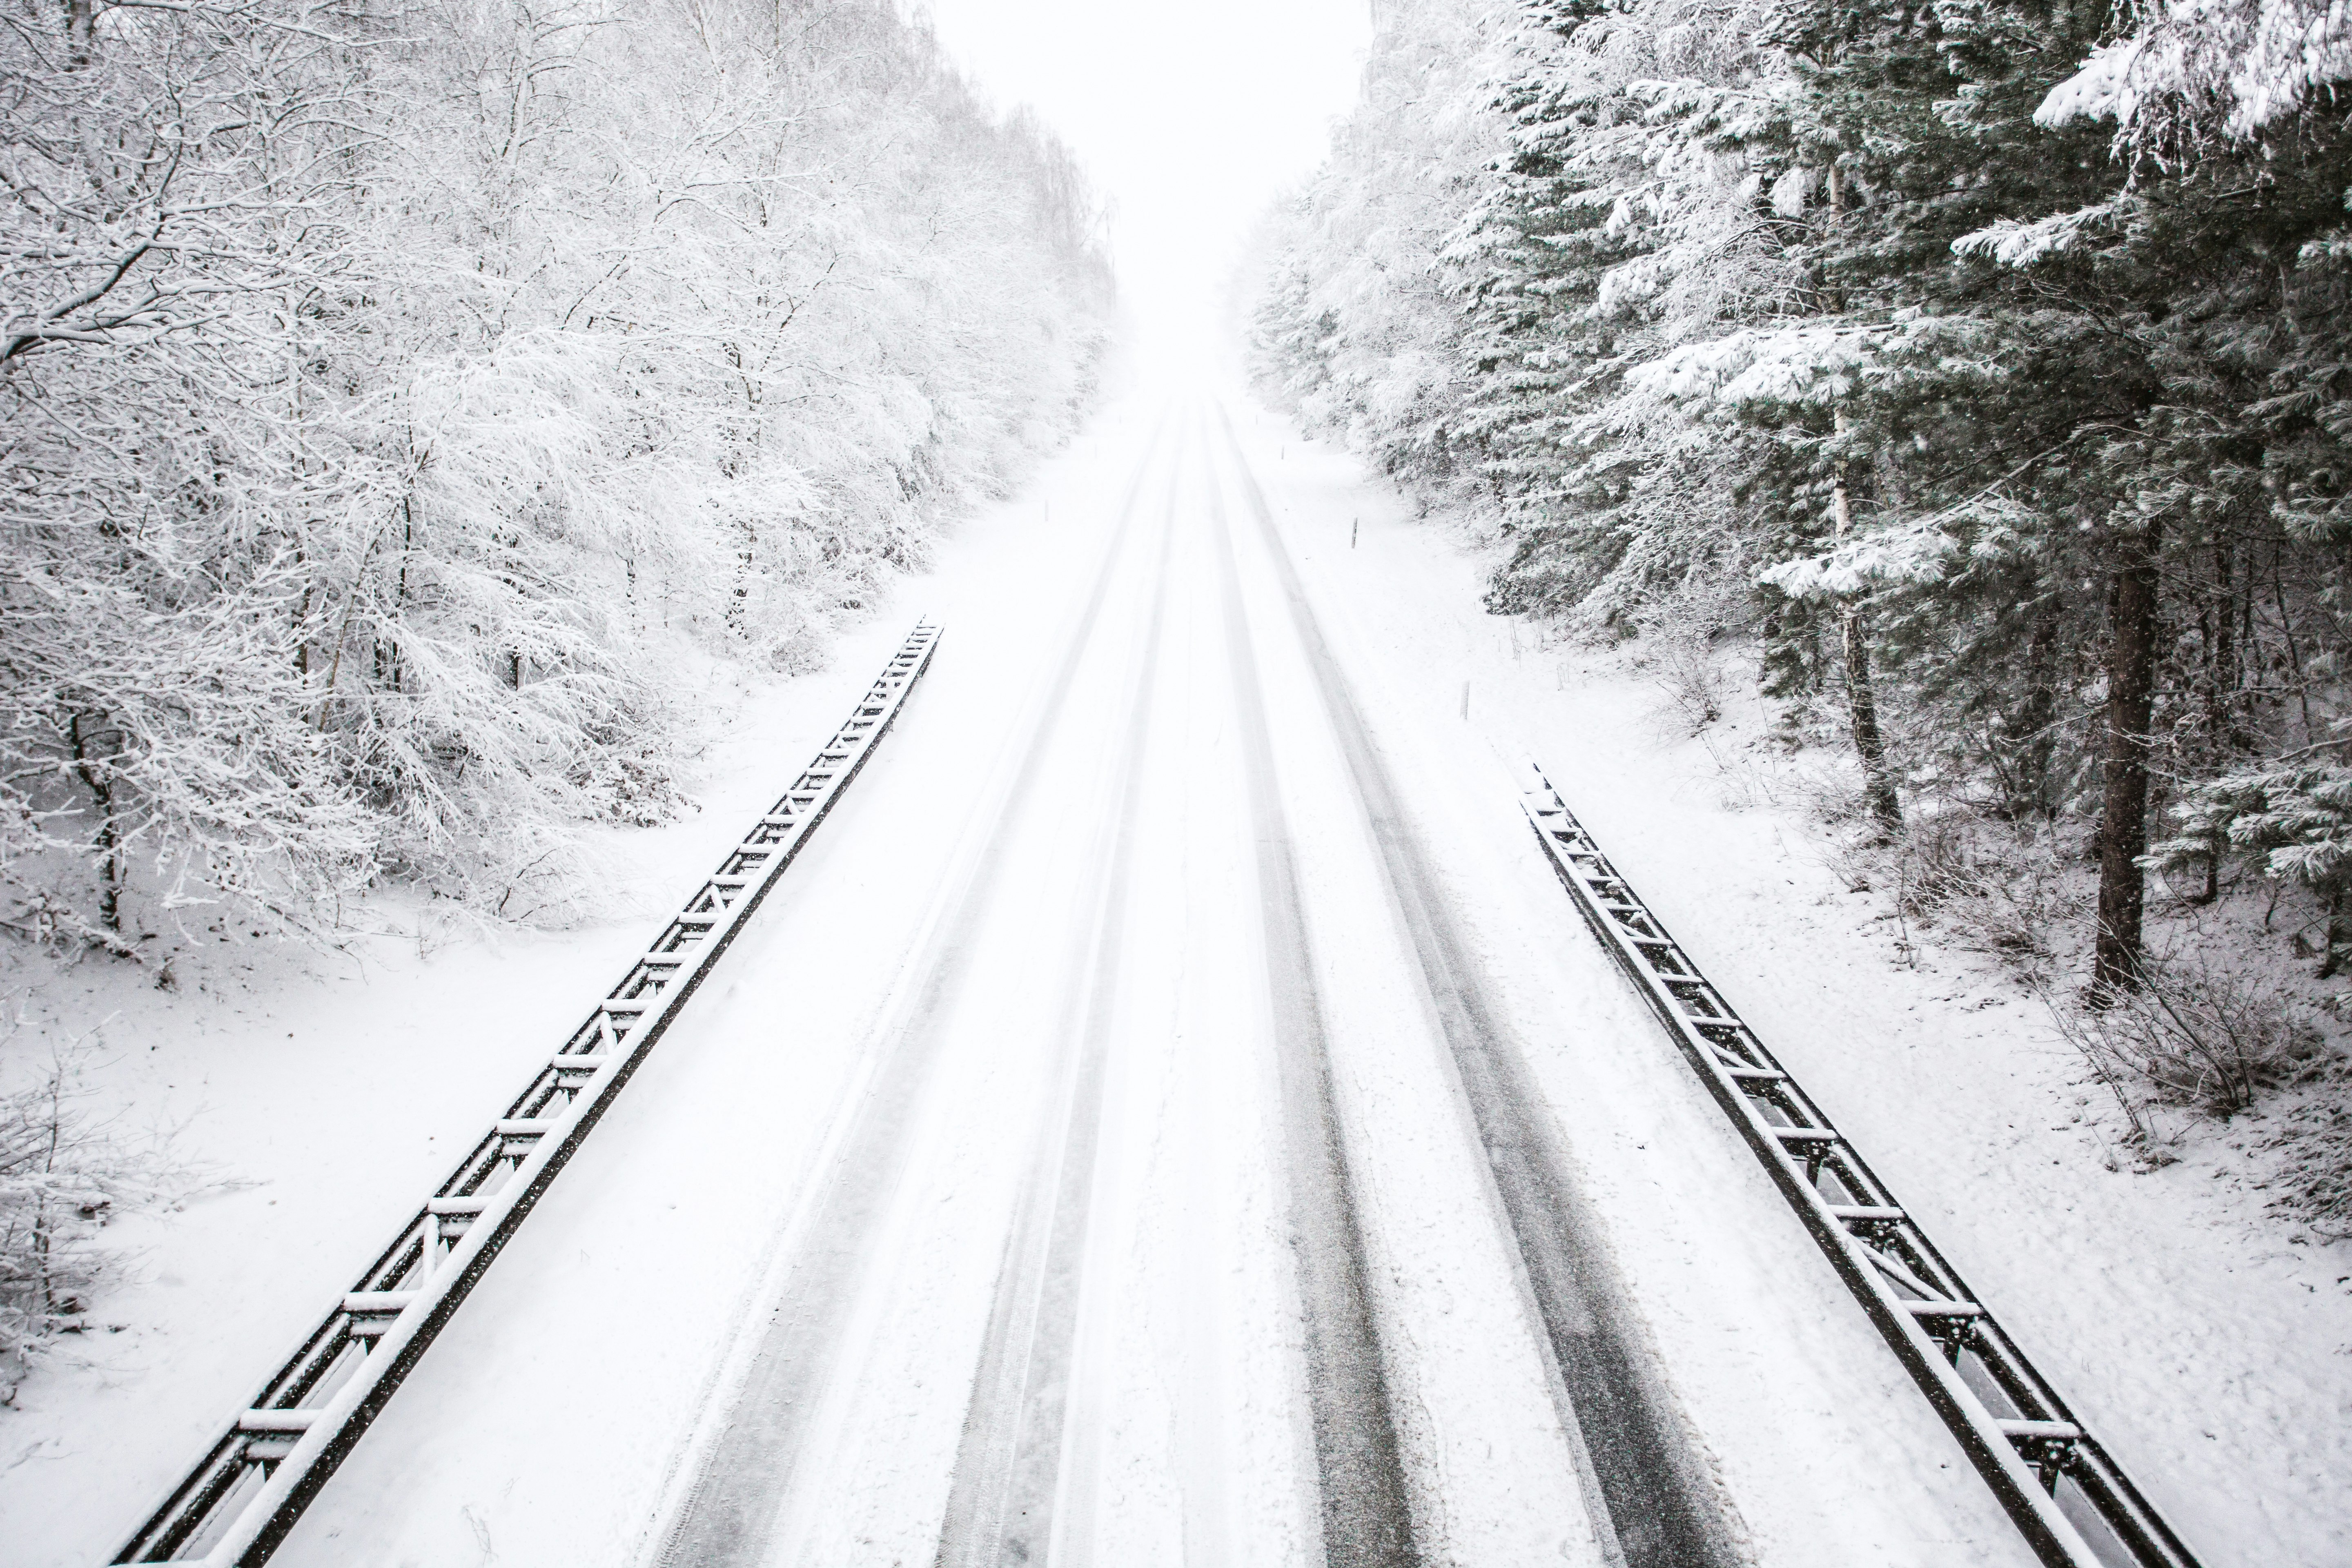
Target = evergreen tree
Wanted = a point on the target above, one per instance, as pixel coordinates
(2006, 364)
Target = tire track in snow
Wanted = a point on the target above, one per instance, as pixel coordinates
(1367, 1517)
(1614, 1404)
(745, 1466)
(1000, 1501)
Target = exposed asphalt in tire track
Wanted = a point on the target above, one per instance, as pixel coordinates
(1665, 1509)
(1651, 1499)
(740, 1480)
(1000, 1503)
(1367, 1517)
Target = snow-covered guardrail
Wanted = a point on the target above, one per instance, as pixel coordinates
(238, 1502)
(2063, 1491)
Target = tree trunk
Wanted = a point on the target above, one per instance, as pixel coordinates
(2223, 694)
(83, 732)
(2037, 721)
(1862, 698)
(81, 30)
(2222, 738)
(739, 605)
(2122, 818)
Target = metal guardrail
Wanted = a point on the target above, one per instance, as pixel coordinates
(239, 1501)
(2065, 1494)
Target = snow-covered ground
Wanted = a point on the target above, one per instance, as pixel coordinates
(977, 1165)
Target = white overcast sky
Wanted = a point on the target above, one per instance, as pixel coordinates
(1189, 116)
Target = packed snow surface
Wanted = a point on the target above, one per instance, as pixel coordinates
(1073, 1161)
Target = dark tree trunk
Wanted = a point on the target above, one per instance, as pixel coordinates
(2338, 938)
(1862, 697)
(2222, 737)
(2122, 818)
(1862, 700)
(400, 585)
(2037, 719)
(2224, 691)
(738, 605)
(87, 735)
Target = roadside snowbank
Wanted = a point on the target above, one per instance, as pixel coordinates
(305, 1104)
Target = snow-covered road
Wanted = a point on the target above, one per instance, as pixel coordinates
(1155, 1127)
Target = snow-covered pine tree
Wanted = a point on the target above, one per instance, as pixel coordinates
(2051, 300)
(2229, 242)
(1528, 264)
(1361, 336)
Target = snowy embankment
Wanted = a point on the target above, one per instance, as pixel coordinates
(299, 1105)
(2209, 1341)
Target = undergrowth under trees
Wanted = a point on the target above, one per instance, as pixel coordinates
(1984, 362)
(398, 398)
(63, 1176)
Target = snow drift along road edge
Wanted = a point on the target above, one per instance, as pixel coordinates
(2038, 1458)
(240, 1500)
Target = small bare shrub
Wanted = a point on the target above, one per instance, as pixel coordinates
(1683, 634)
(61, 1179)
(2008, 897)
(1691, 675)
(1992, 889)
(1856, 863)
(2315, 1178)
(2192, 1035)
(1746, 782)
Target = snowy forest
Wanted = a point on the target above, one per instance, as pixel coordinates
(1978, 369)
(407, 403)
(1352, 782)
